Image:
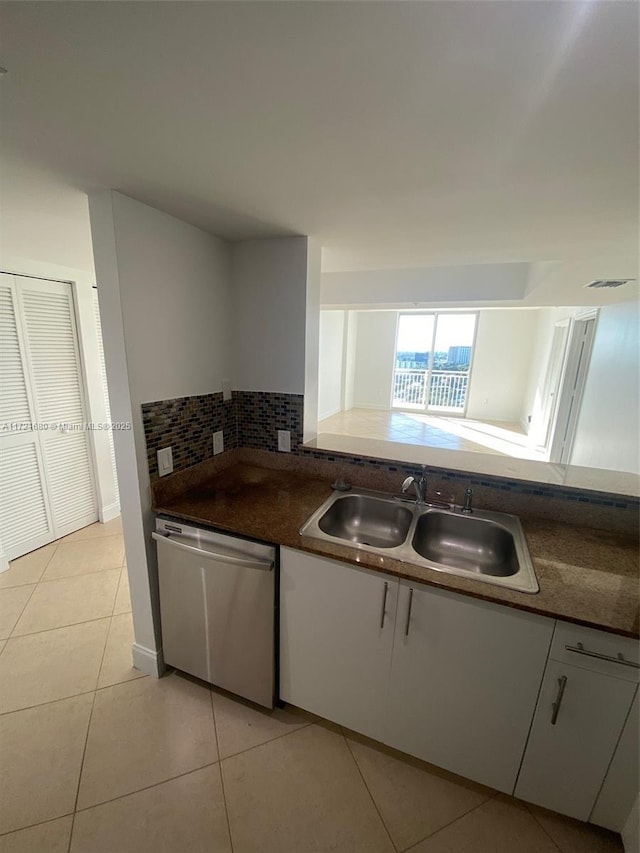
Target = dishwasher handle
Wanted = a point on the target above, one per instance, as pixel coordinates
(246, 562)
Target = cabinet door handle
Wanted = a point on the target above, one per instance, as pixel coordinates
(579, 649)
(410, 602)
(562, 683)
(384, 604)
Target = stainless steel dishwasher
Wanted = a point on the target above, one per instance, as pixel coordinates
(217, 603)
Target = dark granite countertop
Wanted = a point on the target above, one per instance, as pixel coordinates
(586, 576)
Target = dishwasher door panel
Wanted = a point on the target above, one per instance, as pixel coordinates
(217, 614)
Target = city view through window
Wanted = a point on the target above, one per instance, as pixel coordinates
(433, 361)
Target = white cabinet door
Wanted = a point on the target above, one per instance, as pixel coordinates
(578, 721)
(464, 680)
(336, 637)
(622, 782)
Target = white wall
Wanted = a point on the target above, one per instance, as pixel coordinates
(501, 363)
(269, 309)
(165, 311)
(608, 425)
(424, 286)
(330, 373)
(374, 356)
(349, 363)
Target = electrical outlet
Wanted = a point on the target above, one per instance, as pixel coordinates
(284, 440)
(165, 461)
(218, 442)
(226, 389)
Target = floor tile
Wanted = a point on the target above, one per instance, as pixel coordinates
(117, 664)
(51, 665)
(68, 601)
(185, 814)
(574, 836)
(415, 799)
(502, 825)
(51, 837)
(301, 793)
(143, 732)
(41, 752)
(95, 531)
(123, 598)
(84, 556)
(27, 569)
(240, 725)
(12, 603)
(3, 643)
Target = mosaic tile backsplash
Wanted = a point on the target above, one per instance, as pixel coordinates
(251, 420)
(187, 424)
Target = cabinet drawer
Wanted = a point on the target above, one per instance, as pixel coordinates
(597, 651)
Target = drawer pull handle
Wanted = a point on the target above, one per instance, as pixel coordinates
(406, 627)
(384, 604)
(562, 683)
(579, 649)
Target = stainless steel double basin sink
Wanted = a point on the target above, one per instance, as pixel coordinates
(486, 546)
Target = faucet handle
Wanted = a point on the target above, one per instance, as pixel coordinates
(466, 508)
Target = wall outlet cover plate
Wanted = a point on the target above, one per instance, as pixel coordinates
(284, 440)
(218, 442)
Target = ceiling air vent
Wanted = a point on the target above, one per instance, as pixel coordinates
(610, 282)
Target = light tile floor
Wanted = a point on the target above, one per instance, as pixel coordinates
(96, 758)
(502, 438)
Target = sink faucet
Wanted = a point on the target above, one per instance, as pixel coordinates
(467, 502)
(419, 484)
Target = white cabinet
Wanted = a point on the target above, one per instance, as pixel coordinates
(336, 639)
(579, 718)
(464, 680)
(622, 782)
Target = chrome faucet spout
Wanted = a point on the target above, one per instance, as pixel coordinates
(419, 485)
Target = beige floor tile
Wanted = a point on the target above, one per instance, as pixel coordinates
(68, 601)
(117, 664)
(185, 815)
(301, 793)
(84, 556)
(241, 725)
(574, 836)
(12, 603)
(95, 531)
(143, 732)
(41, 752)
(502, 825)
(27, 569)
(415, 799)
(3, 643)
(51, 837)
(123, 597)
(51, 665)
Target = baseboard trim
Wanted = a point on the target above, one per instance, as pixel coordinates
(330, 414)
(148, 661)
(106, 513)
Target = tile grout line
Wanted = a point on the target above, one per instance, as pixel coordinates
(451, 822)
(224, 793)
(271, 740)
(35, 586)
(86, 740)
(60, 627)
(364, 782)
(145, 788)
(32, 825)
(542, 827)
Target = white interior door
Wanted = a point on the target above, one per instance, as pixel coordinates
(47, 469)
(25, 519)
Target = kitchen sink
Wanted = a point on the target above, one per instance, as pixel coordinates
(467, 543)
(367, 520)
(486, 546)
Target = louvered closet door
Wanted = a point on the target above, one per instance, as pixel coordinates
(107, 406)
(54, 366)
(25, 521)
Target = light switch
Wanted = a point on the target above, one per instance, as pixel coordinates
(226, 389)
(165, 461)
(218, 442)
(284, 440)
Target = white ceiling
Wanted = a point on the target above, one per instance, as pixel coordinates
(399, 134)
